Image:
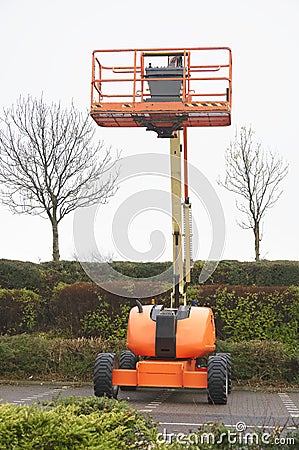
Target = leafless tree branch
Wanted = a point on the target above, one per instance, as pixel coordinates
(256, 176)
(49, 162)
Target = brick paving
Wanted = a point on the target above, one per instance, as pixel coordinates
(179, 410)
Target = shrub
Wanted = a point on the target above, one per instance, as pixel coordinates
(41, 357)
(70, 304)
(68, 272)
(86, 309)
(42, 278)
(102, 322)
(141, 270)
(245, 313)
(19, 274)
(98, 424)
(20, 310)
(23, 356)
(73, 359)
(44, 358)
(262, 273)
(257, 316)
(262, 361)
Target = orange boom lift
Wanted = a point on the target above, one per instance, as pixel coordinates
(166, 91)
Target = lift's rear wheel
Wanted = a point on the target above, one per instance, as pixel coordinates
(217, 380)
(103, 369)
(128, 360)
(227, 356)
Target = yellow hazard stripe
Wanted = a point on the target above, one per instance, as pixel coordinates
(204, 104)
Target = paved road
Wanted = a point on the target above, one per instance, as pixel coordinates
(179, 411)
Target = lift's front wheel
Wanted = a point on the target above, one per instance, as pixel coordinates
(227, 356)
(128, 361)
(217, 380)
(103, 370)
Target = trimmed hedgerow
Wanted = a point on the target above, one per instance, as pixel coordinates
(20, 310)
(250, 313)
(241, 313)
(262, 361)
(19, 274)
(70, 304)
(261, 273)
(42, 278)
(85, 309)
(42, 357)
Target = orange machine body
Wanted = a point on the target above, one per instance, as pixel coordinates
(195, 335)
(192, 337)
(163, 373)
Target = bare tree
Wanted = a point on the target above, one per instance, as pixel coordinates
(255, 175)
(48, 160)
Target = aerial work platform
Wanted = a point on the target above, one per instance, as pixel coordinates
(166, 90)
(163, 90)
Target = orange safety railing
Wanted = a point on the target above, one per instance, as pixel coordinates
(120, 75)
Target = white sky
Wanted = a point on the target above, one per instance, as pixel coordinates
(46, 46)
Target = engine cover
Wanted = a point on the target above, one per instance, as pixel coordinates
(186, 332)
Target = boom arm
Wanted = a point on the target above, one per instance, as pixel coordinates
(181, 272)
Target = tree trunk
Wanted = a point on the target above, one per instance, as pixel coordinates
(257, 239)
(56, 255)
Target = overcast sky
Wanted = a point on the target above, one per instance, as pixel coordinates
(46, 47)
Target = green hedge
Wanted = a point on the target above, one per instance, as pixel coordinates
(19, 275)
(98, 424)
(241, 313)
(85, 309)
(259, 362)
(20, 310)
(245, 313)
(262, 273)
(42, 278)
(40, 357)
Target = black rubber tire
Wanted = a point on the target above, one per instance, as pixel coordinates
(128, 360)
(228, 358)
(102, 380)
(217, 380)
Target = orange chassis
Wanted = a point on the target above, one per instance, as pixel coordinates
(172, 374)
(194, 338)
